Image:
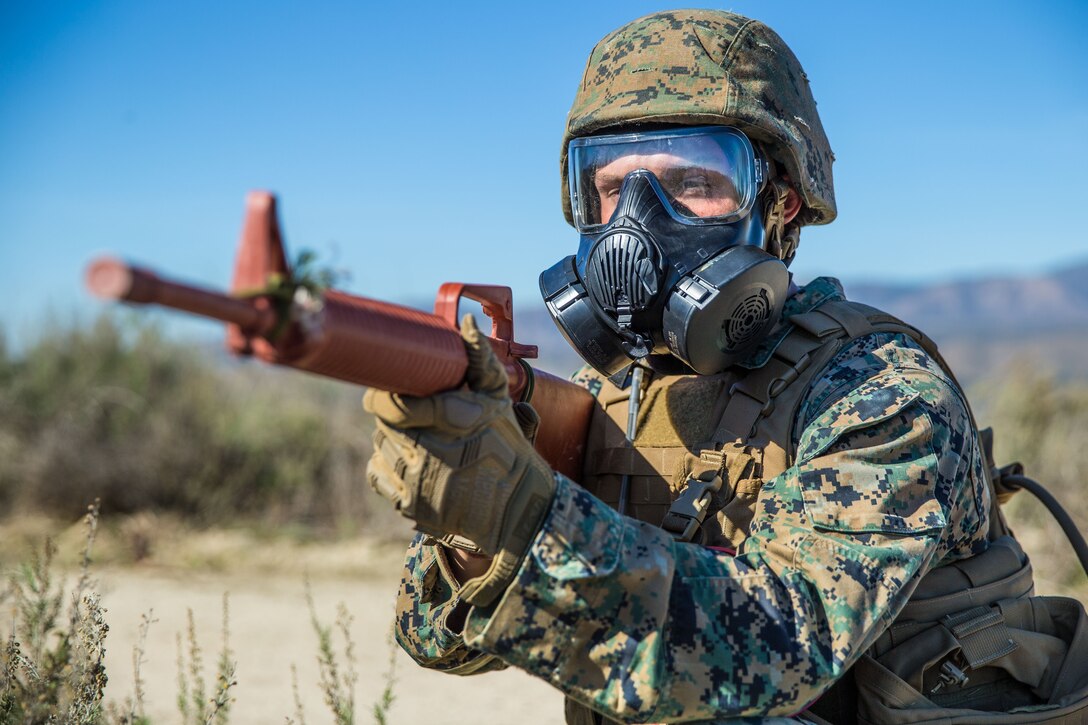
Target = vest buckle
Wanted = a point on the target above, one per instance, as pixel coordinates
(688, 511)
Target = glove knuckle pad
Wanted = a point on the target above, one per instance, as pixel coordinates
(461, 412)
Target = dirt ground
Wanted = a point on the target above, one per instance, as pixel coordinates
(270, 630)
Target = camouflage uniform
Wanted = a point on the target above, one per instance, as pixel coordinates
(884, 480)
(887, 483)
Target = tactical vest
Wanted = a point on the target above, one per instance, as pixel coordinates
(739, 424)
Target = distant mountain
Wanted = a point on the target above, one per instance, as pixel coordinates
(997, 304)
(984, 325)
(981, 325)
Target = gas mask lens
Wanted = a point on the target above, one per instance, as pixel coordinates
(709, 174)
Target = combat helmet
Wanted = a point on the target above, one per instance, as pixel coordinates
(702, 67)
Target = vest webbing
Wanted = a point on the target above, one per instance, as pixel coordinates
(738, 423)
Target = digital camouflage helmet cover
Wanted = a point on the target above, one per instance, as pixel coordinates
(702, 67)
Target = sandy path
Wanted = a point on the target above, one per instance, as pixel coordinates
(270, 630)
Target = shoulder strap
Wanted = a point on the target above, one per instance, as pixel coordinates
(761, 408)
(763, 405)
(814, 337)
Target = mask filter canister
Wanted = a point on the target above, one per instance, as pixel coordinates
(723, 309)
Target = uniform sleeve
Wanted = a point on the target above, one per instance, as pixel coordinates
(428, 597)
(620, 617)
(425, 601)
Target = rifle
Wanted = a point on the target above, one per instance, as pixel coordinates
(357, 339)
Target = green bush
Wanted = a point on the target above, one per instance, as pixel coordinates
(119, 412)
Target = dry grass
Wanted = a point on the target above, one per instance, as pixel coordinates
(1042, 422)
(53, 669)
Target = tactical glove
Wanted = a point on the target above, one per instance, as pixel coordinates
(459, 463)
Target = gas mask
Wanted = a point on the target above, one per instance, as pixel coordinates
(670, 260)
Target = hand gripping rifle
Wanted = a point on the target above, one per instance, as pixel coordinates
(358, 339)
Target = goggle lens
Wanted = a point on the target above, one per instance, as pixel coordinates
(710, 175)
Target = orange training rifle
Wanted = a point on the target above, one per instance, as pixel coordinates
(357, 339)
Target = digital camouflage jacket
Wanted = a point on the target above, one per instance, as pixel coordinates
(886, 483)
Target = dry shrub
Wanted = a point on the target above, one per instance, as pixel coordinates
(53, 665)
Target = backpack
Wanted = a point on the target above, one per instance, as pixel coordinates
(974, 645)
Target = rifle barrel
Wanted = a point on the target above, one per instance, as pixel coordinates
(113, 279)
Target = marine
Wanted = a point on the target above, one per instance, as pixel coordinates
(772, 469)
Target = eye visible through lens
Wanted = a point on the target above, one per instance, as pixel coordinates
(705, 192)
(697, 174)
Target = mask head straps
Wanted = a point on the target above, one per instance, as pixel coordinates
(778, 239)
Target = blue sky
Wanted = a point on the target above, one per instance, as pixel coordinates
(419, 143)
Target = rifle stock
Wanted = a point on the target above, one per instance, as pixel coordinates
(358, 339)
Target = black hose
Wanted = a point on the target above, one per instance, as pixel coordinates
(1056, 510)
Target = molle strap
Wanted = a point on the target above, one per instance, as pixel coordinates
(621, 461)
(742, 412)
(637, 461)
(652, 483)
(753, 397)
(982, 635)
(795, 348)
(816, 323)
(646, 493)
